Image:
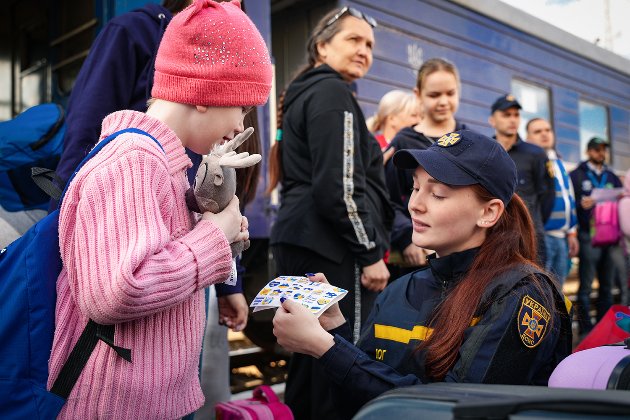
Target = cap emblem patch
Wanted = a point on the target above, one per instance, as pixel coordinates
(449, 139)
(510, 98)
(532, 322)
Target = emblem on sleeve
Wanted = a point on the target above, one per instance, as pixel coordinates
(448, 139)
(532, 322)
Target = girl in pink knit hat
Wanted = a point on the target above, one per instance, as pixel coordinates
(133, 255)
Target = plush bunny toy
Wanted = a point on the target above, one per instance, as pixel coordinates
(215, 182)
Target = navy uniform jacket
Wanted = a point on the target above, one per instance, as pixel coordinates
(536, 182)
(518, 339)
(117, 74)
(400, 181)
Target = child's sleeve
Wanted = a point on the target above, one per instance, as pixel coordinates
(123, 261)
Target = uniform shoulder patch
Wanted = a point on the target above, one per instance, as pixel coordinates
(448, 139)
(532, 320)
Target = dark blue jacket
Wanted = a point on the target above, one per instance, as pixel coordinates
(536, 181)
(117, 74)
(584, 180)
(499, 347)
(400, 181)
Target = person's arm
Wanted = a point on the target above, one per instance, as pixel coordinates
(122, 260)
(512, 342)
(359, 377)
(338, 171)
(105, 84)
(399, 189)
(545, 186)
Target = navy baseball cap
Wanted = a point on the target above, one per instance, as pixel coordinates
(595, 142)
(505, 102)
(465, 158)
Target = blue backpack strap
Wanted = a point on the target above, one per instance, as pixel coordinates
(93, 332)
(100, 146)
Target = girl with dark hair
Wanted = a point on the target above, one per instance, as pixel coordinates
(481, 312)
(438, 89)
(334, 212)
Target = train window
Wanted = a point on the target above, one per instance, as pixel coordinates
(534, 100)
(593, 122)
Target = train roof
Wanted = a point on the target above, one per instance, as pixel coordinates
(532, 25)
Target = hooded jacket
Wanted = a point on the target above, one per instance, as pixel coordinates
(117, 74)
(333, 198)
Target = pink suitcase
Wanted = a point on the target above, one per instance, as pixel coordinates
(605, 367)
(264, 405)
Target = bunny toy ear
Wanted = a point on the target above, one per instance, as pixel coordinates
(238, 140)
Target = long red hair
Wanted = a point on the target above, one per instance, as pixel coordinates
(510, 242)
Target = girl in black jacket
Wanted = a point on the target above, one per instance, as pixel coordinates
(334, 212)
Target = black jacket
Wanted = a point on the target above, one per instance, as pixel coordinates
(536, 184)
(400, 182)
(502, 346)
(333, 198)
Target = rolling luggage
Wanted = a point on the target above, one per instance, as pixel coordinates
(605, 367)
(489, 401)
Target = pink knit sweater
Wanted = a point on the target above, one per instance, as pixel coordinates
(131, 256)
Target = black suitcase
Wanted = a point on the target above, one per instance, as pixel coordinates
(485, 401)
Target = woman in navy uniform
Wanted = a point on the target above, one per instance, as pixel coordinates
(481, 312)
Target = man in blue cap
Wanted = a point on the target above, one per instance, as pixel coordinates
(535, 184)
(591, 174)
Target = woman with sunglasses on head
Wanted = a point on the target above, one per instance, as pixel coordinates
(481, 312)
(334, 212)
(437, 89)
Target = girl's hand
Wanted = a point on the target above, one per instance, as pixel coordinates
(230, 221)
(298, 330)
(374, 277)
(415, 256)
(233, 311)
(332, 317)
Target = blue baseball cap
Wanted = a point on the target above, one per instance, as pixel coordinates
(465, 158)
(505, 102)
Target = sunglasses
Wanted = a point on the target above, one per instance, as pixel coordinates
(352, 12)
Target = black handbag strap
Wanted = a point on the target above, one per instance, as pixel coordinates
(80, 354)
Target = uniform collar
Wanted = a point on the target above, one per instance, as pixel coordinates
(452, 267)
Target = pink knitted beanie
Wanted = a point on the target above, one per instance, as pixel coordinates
(212, 54)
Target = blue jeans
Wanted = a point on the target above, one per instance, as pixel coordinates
(557, 257)
(592, 260)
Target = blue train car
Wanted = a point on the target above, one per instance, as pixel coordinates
(581, 88)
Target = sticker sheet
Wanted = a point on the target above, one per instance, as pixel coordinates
(314, 295)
